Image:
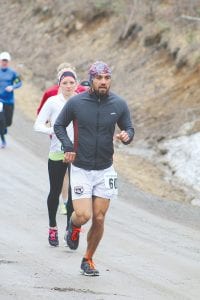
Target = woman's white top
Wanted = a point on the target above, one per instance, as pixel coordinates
(45, 121)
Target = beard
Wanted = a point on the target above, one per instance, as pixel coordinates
(102, 91)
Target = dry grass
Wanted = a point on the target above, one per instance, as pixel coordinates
(146, 176)
(28, 98)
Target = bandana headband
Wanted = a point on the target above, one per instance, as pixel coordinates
(99, 67)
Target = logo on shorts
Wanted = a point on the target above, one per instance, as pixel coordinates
(78, 190)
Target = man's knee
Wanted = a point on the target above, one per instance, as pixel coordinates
(99, 219)
(83, 215)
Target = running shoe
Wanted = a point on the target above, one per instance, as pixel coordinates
(3, 145)
(88, 268)
(53, 237)
(62, 209)
(72, 237)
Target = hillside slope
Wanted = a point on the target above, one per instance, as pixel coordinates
(154, 54)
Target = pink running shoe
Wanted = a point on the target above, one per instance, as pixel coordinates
(53, 237)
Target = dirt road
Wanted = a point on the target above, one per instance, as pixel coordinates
(150, 249)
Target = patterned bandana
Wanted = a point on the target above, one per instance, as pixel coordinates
(97, 68)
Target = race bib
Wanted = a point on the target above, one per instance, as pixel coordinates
(110, 180)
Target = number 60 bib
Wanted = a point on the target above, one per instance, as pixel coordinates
(110, 180)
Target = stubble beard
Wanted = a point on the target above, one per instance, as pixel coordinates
(103, 91)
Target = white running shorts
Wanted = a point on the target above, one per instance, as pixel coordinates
(88, 183)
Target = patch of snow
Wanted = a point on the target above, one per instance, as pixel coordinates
(195, 202)
(183, 156)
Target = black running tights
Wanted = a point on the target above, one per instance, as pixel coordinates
(57, 171)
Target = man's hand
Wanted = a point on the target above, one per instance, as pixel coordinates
(9, 88)
(69, 157)
(122, 136)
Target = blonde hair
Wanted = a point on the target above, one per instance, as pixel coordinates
(60, 73)
(65, 65)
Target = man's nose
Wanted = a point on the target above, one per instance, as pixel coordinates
(103, 80)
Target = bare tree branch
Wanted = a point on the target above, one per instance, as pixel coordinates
(190, 18)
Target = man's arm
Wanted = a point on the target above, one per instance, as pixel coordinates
(62, 121)
(17, 83)
(125, 124)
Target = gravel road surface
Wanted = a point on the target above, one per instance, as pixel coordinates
(150, 249)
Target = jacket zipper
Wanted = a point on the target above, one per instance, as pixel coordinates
(97, 131)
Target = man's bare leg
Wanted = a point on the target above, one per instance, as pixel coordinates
(82, 211)
(95, 233)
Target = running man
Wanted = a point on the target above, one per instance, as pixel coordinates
(93, 178)
(9, 81)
